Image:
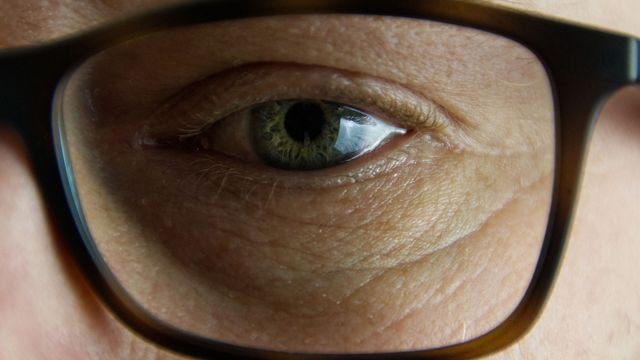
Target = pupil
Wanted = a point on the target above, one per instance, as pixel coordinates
(304, 120)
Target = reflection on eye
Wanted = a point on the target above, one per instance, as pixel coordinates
(308, 134)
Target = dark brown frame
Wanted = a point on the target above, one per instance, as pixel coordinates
(584, 66)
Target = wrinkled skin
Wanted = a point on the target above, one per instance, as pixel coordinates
(48, 311)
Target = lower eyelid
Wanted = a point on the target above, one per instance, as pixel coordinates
(399, 153)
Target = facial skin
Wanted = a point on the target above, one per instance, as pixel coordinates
(44, 299)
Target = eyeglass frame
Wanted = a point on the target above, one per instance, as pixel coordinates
(584, 66)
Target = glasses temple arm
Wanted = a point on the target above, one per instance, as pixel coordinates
(635, 61)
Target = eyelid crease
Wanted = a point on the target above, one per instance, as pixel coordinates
(217, 96)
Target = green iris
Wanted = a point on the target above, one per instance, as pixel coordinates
(313, 134)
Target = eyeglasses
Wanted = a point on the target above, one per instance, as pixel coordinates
(278, 179)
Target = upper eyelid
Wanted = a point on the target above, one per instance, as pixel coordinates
(206, 101)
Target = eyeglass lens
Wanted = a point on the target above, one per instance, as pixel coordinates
(317, 183)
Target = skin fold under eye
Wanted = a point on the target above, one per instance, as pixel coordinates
(297, 134)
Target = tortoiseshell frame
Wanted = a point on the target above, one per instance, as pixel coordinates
(584, 66)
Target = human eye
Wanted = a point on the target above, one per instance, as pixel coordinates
(304, 134)
(274, 125)
(341, 183)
